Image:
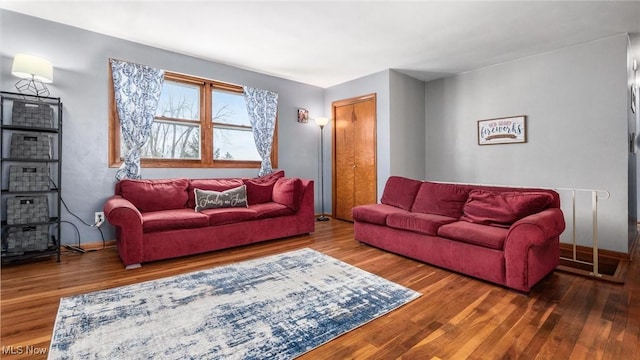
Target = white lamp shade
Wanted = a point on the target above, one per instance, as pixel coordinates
(321, 121)
(29, 66)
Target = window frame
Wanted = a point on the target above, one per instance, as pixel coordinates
(206, 130)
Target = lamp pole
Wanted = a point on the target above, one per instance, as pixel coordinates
(322, 122)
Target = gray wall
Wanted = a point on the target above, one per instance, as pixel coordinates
(634, 79)
(377, 83)
(399, 127)
(407, 126)
(575, 100)
(80, 60)
(633, 130)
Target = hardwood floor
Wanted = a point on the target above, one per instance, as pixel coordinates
(564, 317)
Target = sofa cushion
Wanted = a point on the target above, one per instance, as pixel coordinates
(260, 190)
(503, 208)
(270, 209)
(232, 198)
(418, 222)
(155, 194)
(269, 177)
(483, 235)
(288, 192)
(210, 184)
(440, 199)
(400, 192)
(222, 216)
(375, 213)
(173, 220)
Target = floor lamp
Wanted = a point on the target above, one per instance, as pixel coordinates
(322, 122)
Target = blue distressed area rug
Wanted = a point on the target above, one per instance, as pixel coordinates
(276, 307)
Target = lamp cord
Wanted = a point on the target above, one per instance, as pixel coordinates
(78, 248)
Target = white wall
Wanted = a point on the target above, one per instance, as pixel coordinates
(80, 60)
(575, 100)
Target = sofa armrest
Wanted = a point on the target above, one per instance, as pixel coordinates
(121, 212)
(306, 215)
(127, 219)
(538, 228)
(532, 248)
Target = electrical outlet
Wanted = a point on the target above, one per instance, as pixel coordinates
(99, 218)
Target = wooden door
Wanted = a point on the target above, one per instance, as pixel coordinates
(354, 155)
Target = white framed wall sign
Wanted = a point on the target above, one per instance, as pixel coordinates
(507, 130)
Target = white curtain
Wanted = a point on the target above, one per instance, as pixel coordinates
(137, 91)
(262, 106)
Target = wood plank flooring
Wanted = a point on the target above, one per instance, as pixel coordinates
(564, 317)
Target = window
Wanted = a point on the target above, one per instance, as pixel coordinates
(198, 123)
(232, 136)
(175, 133)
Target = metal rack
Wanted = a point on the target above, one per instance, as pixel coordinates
(54, 164)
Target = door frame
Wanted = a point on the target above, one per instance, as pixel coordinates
(343, 102)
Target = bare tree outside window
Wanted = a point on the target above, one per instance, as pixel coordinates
(222, 115)
(175, 133)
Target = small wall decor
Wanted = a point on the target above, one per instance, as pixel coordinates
(303, 115)
(633, 98)
(508, 130)
(633, 87)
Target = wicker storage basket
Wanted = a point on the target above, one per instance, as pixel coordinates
(32, 114)
(27, 209)
(30, 146)
(29, 177)
(21, 239)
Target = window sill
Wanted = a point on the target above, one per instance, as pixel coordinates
(148, 163)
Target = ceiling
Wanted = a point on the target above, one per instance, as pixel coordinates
(326, 43)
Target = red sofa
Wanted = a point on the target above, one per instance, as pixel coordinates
(156, 219)
(508, 236)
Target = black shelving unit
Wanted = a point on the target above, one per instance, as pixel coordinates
(54, 165)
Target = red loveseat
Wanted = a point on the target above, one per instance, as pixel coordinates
(156, 219)
(508, 236)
